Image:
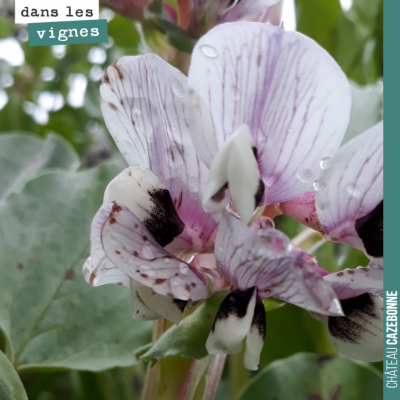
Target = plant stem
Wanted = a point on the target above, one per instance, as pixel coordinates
(238, 374)
(307, 238)
(214, 376)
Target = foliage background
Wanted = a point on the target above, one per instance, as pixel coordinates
(63, 337)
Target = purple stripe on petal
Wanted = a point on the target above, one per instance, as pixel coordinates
(247, 259)
(353, 184)
(285, 87)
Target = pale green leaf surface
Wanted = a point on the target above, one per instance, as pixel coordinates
(23, 157)
(11, 387)
(51, 317)
(306, 376)
(366, 108)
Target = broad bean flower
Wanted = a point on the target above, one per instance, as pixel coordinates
(263, 107)
(259, 265)
(152, 210)
(266, 107)
(199, 16)
(347, 204)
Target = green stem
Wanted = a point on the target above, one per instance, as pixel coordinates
(238, 374)
(307, 238)
(181, 378)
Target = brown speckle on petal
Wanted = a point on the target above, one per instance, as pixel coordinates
(120, 74)
(92, 278)
(113, 106)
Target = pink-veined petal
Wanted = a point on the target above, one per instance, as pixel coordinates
(247, 260)
(284, 86)
(352, 185)
(98, 269)
(131, 247)
(142, 100)
(302, 209)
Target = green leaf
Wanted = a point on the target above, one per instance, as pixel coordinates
(318, 20)
(6, 24)
(353, 38)
(290, 330)
(11, 387)
(189, 338)
(366, 108)
(24, 157)
(272, 304)
(51, 318)
(306, 376)
(124, 33)
(176, 36)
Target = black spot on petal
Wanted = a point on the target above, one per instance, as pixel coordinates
(259, 318)
(181, 304)
(219, 196)
(235, 304)
(370, 231)
(255, 152)
(260, 193)
(358, 311)
(163, 221)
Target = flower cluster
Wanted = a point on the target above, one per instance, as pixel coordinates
(194, 16)
(259, 119)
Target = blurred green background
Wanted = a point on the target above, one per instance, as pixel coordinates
(55, 90)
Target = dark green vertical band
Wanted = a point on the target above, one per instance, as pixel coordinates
(392, 197)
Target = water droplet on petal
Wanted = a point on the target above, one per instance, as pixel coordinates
(318, 186)
(325, 163)
(148, 270)
(324, 206)
(177, 88)
(209, 51)
(167, 260)
(276, 241)
(183, 268)
(221, 249)
(137, 112)
(305, 175)
(179, 288)
(148, 252)
(354, 191)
